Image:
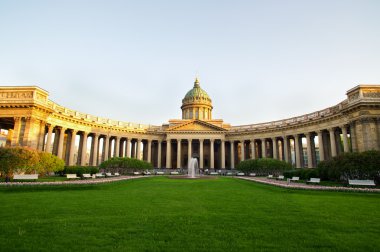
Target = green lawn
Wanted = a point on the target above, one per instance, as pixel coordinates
(161, 214)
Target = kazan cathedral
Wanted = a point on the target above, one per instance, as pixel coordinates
(29, 118)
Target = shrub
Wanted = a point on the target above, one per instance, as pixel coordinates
(17, 160)
(263, 166)
(80, 170)
(124, 165)
(304, 174)
(49, 163)
(364, 165)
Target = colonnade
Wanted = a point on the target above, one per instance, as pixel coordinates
(301, 149)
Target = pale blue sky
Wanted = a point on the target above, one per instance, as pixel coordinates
(135, 60)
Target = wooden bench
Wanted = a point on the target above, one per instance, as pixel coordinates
(270, 176)
(314, 180)
(160, 173)
(252, 174)
(86, 175)
(229, 174)
(72, 176)
(117, 174)
(214, 173)
(136, 173)
(108, 174)
(295, 179)
(174, 173)
(240, 174)
(281, 177)
(358, 182)
(146, 173)
(25, 177)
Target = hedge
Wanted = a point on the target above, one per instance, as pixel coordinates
(364, 165)
(304, 174)
(263, 166)
(80, 170)
(125, 165)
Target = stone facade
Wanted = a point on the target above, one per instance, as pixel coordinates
(31, 119)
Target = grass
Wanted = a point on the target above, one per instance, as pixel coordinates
(161, 214)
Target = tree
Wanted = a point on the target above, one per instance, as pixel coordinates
(49, 163)
(16, 160)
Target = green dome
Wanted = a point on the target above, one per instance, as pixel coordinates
(197, 91)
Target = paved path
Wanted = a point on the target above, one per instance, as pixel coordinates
(285, 184)
(73, 182)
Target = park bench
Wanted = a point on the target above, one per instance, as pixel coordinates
(270, 176)
(160, 173)
(240, 174)
(214, 173)
(280, 177)
(314, 180)
(229, 174)
(136, 173)
(25, 177)
(108, 174)
(117, 174)
(99, 175)
(86, 175)
(295, 179)
(146, 173)
(174, 173)
(357, 182)
(252, 174)
(72, 176)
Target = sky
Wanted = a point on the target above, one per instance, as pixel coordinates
(134, 61)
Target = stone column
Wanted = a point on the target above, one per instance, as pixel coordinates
(274, 146)
(345, 139)
(263, 148)
(309, 151)
(72, 147)
(106, 146)
(16, 132)
(253, 148)
(117, 146)
(95, 141)
(321, 146)
(168, 154)
(242, 151)
(179, 153)
(60, 143)
(159, 154)
(149, 146)
(201, 162)
(298, 153)
(84, 149)
(189, 152)
(223, 158)
(128, 148)
(332, 142)
(232, 155)
(48, 141)
(286, 148)
(212, 154)
(138, 149)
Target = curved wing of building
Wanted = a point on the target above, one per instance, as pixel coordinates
(29, 118)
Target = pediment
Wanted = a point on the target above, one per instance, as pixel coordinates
(196, 125)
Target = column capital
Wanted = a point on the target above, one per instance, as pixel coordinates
(74, 131)
(331, 129)
(202, 140)
(212, 140)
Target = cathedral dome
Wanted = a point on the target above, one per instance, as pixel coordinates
(197, 92)
(197, 104)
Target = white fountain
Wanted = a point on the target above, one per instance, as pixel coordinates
(193, 170)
